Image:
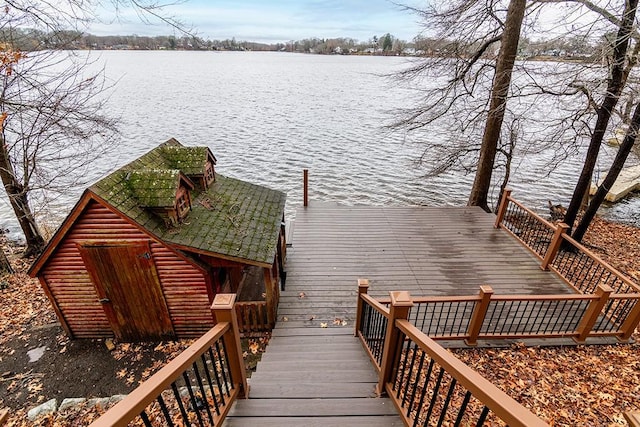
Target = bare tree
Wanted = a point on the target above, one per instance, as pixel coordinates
(616, 81)
(612, 175)
(51, 100)
(499, 95)
(555, 103)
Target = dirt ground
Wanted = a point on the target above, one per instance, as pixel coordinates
(65, 369)
(69, 368)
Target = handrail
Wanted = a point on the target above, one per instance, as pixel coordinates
(130, 407)
(405, 376)
(436, 299)
(554, 254)
(532, 213)
(217, 355)
(505, 407)
(377, 305)
(595, 257)
(604, 312)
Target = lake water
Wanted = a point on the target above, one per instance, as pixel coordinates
(267, 116)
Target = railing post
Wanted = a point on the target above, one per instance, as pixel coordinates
(593, 311)
(554, 246)
(363, 288)
(224, 311)
(401, 303)
(305, 187)
(631, 323)
(502, 209)
(271, 296)
(479, 313)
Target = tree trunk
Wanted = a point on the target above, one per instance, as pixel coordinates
(5, 265)
(20, 203)
(614, 88)
(502, 81)
(612, 175)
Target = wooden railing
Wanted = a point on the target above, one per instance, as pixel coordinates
(427, 384)
(488, 316)
(578, 266)
(197, 387)
(253, 316)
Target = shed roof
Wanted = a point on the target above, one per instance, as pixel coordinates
(232, 218)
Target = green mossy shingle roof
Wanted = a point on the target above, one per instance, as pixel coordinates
(154, 188)
(232, 218)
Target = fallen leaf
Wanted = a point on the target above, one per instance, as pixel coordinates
(323, 325)
(302, 295)
(254, 347)
(285, 319)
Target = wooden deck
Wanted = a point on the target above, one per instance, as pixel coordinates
(317, 375)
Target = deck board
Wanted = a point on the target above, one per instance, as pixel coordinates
(315, 372)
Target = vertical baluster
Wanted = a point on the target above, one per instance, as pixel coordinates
(176, 395)
(423, 393)
(210, 383)
(220, 350)
(165, 410)
(401, 377)
(192, 398)
(483, 417)
(546, 321)
(417, 382)
(409, 376)
(202, 390)
(445, 406)
(145, 419)
(434, 396)
(463, 409)
(217, 377)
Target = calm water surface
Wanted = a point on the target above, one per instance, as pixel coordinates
(267, 116)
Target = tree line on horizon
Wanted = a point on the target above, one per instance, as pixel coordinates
(575, 47)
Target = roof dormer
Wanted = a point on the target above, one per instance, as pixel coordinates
(197, 163)
(167, 193)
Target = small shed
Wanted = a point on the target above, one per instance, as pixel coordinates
(145, 249)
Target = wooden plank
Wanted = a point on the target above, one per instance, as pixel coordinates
(312, 407)
(315, 390)
(335, 356)
(295, 332)
(365, 374)
(290, 364)
(358, 421)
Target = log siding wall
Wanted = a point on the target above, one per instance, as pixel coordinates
(184, 286)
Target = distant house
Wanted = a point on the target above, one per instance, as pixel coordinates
(146, 248)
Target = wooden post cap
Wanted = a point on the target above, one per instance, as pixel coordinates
(486, 289)
(223, 301)
(401, 299)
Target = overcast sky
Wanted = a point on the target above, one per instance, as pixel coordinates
(275, 20)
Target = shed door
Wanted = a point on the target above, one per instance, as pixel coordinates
(128, 287)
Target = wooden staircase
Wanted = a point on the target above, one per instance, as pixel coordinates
(313, 376)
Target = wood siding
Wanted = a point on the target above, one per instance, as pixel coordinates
(183, 284)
